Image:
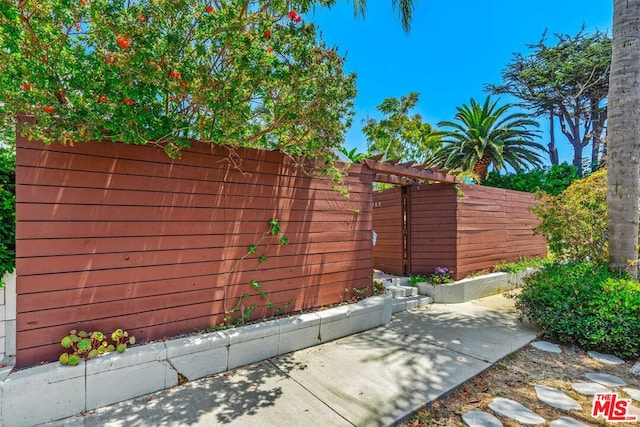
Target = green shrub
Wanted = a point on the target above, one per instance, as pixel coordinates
(586, 304)
(575, 221)
(7, 210)
(550, 181)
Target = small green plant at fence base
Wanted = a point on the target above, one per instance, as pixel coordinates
(88, 345)
(414, 279)
(522, 264)
(355, 294)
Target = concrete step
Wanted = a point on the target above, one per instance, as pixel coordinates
(402, 291)
(408, 303)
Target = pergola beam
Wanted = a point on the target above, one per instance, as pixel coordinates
(391, 169)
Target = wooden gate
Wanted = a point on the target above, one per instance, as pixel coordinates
(389, 252)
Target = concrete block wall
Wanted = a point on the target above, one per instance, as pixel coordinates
(8, 316)
(147, 368)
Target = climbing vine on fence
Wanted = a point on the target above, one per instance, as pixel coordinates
(259, 250)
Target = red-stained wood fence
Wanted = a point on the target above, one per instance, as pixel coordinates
(116, 236)
(465, 230)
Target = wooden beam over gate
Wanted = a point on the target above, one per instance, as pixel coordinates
(393, 173)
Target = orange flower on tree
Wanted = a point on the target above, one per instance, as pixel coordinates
(103, 98)
(294, 16)
(209, 9)
(49, 109)
(123, 42)
(175, 75)
(129, 101)
(267, 33)
(26, 86)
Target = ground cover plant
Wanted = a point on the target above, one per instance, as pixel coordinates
(584, 303)
(522, 264)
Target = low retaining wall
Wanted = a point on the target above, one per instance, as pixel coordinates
(477, 287)
(148, 368)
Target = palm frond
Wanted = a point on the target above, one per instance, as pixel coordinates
(404, 9)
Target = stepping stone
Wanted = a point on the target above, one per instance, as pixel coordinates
(608, 359)
(589, 389)
(635, 370)
(546, 346)
(633, 392)
(516, 411)
(566, 422)
(606, 379)
(480, 419)
(556, 398)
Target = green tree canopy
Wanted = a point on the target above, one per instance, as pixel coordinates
(550, 180)
(248, 73)
(569, 82)
(400, 135)
(485, 135)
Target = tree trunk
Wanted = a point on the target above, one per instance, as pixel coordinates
(577, 157)
(595, 134)
(553, 151)
(481, 167)
(623, 145)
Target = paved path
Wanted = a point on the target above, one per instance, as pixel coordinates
(368, 379)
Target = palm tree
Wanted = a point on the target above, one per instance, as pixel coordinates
(483, 135)
(404, 9)
(623, 144)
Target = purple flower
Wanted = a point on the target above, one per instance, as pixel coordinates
(441, 271)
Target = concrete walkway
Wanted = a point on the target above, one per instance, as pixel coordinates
(372, 378)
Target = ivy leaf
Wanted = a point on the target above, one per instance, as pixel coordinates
(262, 259)
(255, 285)
(252, 250)
(284, 240)
(275, 226)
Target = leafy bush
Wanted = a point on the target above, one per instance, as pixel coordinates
(7, 210)
(550, 181)
(575, 221)
(585, 304)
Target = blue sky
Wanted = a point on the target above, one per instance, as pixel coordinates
(454, 49)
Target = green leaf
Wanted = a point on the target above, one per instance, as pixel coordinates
(252, 250)
(284, 240)
(274, 225)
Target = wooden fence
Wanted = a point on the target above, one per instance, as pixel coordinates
(116, 236)
(465, 232)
